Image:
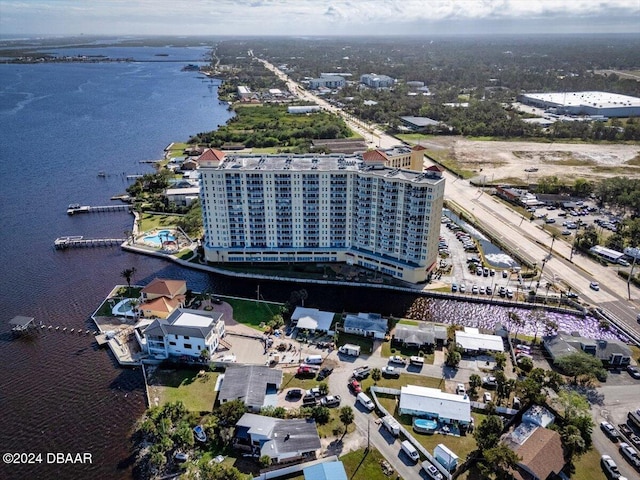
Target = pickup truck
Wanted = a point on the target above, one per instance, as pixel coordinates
(398, 359)
(330, 401)
(390, 372)
(362, 372)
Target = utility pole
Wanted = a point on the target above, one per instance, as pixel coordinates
(368, 433)
(635, 257)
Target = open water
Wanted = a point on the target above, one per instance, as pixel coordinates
(60, 125)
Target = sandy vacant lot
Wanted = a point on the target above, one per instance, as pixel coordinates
(506, 161)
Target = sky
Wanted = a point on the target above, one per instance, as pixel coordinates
(317, 17)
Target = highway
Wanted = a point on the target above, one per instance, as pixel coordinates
(526, 238)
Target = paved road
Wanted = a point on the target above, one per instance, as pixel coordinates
(525, 237)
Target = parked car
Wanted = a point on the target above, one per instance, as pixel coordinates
(633, 371)
(609, 467)
(474, 289)
(390, 372)
(330, 401)
(294, 394)
(315, 391)
(463, 288)
(460, 389)
(489, 382)
(610, 431)
(594, 286)
(324, 373)
(398, 359)
(630, 454)
(355, 387)
(432, 472)
(486, 397)
(309, 400)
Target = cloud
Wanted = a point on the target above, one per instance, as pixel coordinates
(309, 16)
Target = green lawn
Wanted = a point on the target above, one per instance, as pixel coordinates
(413, 323)
(252, 312)
(194, 390)
(366, 344)
(387, 351)
(333, 425)
(364, 465)
(157, 220)
(587, 467)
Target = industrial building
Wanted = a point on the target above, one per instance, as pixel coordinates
(377, 81)
(584, 103)
(323, 208)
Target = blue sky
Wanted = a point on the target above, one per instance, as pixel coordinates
(317, 17)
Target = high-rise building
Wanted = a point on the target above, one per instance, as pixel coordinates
(322, 208)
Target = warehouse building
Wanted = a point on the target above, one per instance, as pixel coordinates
(584, 103)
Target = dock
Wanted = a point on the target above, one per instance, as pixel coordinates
(22, 325)
(79, 241)
(77, 208)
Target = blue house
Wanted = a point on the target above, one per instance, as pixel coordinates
(325, 471)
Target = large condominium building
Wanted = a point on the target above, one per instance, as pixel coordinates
(322, 208)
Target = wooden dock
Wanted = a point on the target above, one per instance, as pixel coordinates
(77, 208)
(62, 243)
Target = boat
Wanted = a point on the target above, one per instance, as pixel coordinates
(101, 174)
(199, 433)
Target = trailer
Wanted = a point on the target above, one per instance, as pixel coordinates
(350, 349)
(391, 424)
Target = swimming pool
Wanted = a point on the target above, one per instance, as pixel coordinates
(161, 236)
(123, 308)
(424, 425)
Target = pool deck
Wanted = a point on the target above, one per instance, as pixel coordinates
(123, 344)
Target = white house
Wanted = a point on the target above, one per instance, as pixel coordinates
(184, 332)
(472, 341)
(366, 324)
(312, 319)
(435, 404)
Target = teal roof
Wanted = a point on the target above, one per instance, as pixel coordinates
(325, 471)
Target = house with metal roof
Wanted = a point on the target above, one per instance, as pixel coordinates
(184, 332)
(312, 319)
(256, 385)
(474, 342)
(325, 471)
(612, 353)
(423, 335)
(435, 404)
(282, 440)
(366, 324)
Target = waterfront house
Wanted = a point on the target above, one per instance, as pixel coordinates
(312, 319)
(184, 332)
(282, 440)
(435, 404)
(612, 353)
(162, 297)
(256, 385)
(366, 324)
(473, 342)
(425, 335)
(182, 197)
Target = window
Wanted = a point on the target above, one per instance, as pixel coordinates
(187, 345)
(172, 343)
(186, 337)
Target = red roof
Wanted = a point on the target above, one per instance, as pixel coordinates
(164, 287)
(418, 148)
(374, 156)
(435, 168)
(211, 155)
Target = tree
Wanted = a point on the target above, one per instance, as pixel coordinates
(453, 357)
(320, 414)
(500, 460)
(572, 440)
(346, 416)
(204, 354)
(579, 364)
(230, 412)
(501, 360)
(526, 364)
(183, 435)
(265, 461)
(376, 375)
(517, 321)
(501, 380)
(487, 434)
(127, 274)
(474, 383)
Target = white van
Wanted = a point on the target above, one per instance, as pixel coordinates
(313, 359)
(409, 449)
(366, 401)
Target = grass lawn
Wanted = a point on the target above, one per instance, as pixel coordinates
(387, 351)
(157, 220)
(252, 312)
(364, 465)
(409, 322)
(587, 467)
(366, 344)
(334, 424)
(403, 380)
(195, 391)
(289, 380)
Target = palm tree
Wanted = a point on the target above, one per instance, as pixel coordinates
(346, 417)
(127, 274)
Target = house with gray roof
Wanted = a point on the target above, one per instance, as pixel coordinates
(282, 440)
(423, 335)
(366, 324)
(184, 332)
(613, 353)
(256, 385)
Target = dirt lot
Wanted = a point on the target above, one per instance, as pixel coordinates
(496, 161)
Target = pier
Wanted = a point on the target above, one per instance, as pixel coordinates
(77, 208)
(78, 241)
